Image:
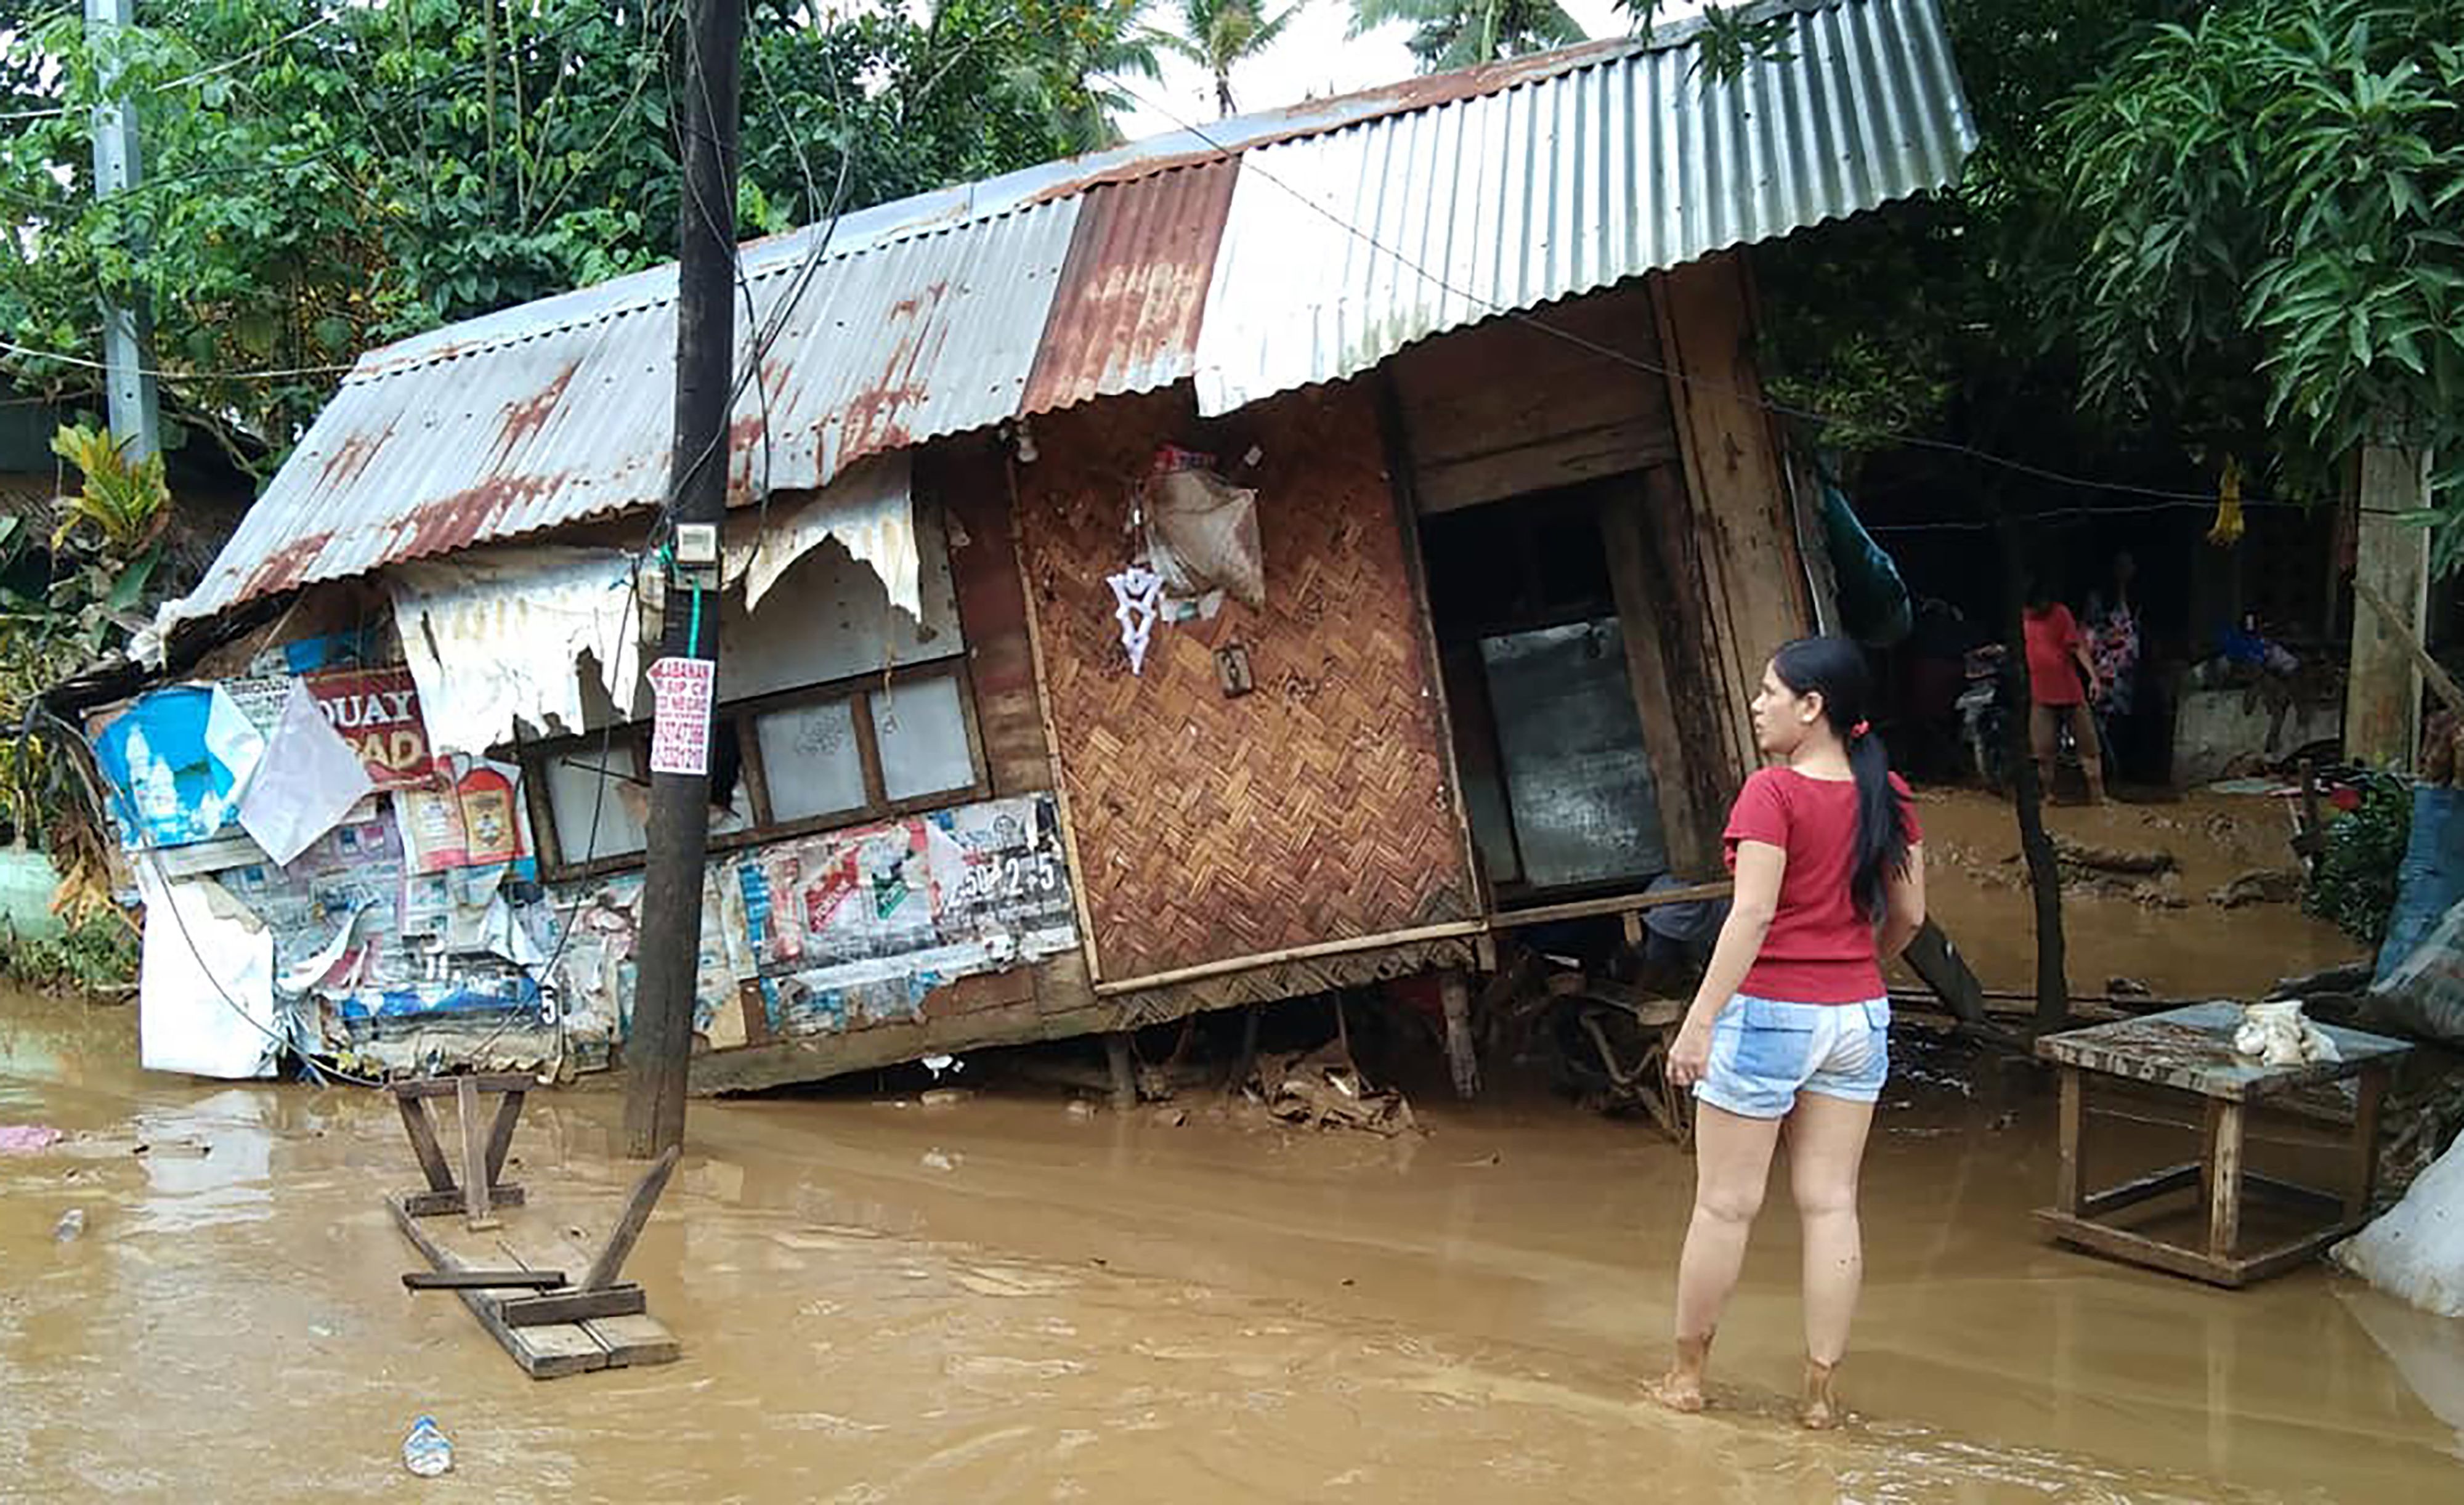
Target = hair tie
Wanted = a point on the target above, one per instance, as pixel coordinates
(1859, 730)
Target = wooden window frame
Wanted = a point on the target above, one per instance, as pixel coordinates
(856, 692)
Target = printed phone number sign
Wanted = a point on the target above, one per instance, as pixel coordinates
(681, 693)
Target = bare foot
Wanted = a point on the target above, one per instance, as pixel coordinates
(1681, 1388)
(1820, 1409)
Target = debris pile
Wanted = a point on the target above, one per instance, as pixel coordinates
(1323, 1089)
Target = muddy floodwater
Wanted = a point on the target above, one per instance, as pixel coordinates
(1002, 1301)
(2175, 941)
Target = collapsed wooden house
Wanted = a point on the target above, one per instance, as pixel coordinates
(1472, 354)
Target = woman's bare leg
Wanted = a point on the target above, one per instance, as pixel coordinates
(1826, 1144)
(1732, 1157)
(2091, 752)
(2044, 740)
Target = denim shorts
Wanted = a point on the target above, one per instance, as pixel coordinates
(1764, 1053)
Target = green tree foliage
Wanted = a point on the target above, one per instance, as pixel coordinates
(1449, 34)
(1220, 35)
(323, 177)
(2273, 195)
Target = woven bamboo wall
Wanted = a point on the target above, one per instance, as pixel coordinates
(1314, 808)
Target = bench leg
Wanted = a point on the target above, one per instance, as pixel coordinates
(2071, 1190)
(2361, 1173)
(2224, 1180)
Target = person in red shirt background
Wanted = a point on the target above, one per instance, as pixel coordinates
(2062, 682)
(1789, 1028)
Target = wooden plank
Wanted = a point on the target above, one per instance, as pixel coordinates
(2275, 1188)
(634, 1341)
(545, 1353)
(445, 1086)
(1451, 930)
(2147, 1188)
(1933, 957)
(1080, 879)
(2192, 1049)
(482, 1279)
(2224, 1180)
(2441, 682)
(422, 1130)
(501, 1133)
(2362, 1170)
(436, 1204)
(476, 1212)
(2137, 1247)
(1613, 904)
(574, 1306)
(619, 1247)
(2074, 1123)
(625, 1339)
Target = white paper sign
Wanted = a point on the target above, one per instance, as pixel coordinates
(680, 699)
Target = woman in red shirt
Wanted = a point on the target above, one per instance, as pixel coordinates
(2061, 681)
(1790, 1026)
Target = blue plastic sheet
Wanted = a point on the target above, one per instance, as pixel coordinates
(2431, 881)
(1873, 606)
(168, 788)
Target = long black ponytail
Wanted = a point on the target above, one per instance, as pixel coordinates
(1835, 667)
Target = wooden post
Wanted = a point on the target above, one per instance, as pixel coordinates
(2028, 794)
(476, 1210)
(658, 1053)
(1124, 1070)
(2071, 1190)
(1454, 992)
(621, 1239)
(2362, 1176)
(2391, 557)
(2224, 1180)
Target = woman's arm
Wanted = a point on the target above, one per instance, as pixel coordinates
(1760, 866)
(1903, 907)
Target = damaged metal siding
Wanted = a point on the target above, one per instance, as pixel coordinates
(1342, 249)
(1262, 255)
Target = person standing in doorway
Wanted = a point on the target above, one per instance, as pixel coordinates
(2061, 681)
(1788, 1033)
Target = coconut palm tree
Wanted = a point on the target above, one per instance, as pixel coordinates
(1456, 33)
(1219, 35)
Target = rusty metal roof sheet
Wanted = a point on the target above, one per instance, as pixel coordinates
(1125, 317)
(1343, 248)
(1258, 255)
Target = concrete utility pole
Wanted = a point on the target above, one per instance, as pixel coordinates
(659, 1049)
(127, 330)
(2391, 555)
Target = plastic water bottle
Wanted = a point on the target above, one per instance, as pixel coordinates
(425, 1452)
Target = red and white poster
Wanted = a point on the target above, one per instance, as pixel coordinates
(681, 693)
(377, 712)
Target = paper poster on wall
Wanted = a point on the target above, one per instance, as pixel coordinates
(680, 698)
(469, 820)
(377, 712)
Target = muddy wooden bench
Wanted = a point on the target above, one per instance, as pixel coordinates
(514, 1283)
(2191, 1050)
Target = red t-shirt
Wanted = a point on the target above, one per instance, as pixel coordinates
(1820, 949)
(2052, 656)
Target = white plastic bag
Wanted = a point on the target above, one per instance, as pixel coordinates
(2415, 1253)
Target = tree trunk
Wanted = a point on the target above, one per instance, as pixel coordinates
(2028, 793)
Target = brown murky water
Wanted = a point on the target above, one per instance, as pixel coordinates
(997, 1301)
(1978, 889)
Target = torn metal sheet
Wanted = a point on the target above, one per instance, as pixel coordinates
(205, 1002)
(494, 641)
(306, 780)
(870, 510)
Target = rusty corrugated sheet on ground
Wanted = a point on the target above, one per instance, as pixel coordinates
(1259, 255)
(1125, 318)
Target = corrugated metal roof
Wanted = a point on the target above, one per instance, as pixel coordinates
(1125, 317)
(1220, 253)
(1341, 249)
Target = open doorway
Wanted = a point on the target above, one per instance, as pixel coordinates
(1557, 782)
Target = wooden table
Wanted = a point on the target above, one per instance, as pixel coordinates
(2191, 1049)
